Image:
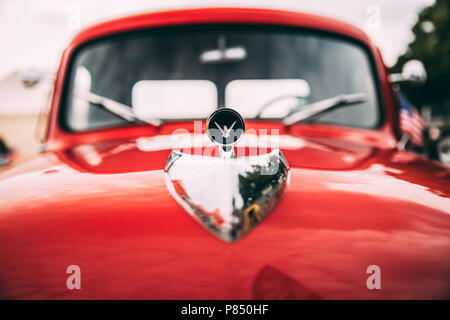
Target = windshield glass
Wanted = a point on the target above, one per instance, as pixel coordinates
(186, 73)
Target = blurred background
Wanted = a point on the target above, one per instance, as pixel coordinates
(33, 35)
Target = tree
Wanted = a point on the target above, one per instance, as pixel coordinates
(431, 45)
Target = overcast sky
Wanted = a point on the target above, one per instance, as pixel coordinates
(34, 33)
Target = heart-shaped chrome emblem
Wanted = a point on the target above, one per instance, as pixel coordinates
(229, 197)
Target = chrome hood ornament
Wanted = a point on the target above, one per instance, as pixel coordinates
(227, 195)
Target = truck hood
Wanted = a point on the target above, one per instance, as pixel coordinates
(105, 208)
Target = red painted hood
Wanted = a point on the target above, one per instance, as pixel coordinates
(105, 208)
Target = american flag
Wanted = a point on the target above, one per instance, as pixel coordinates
(410, 121)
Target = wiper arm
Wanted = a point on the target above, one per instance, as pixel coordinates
(324, 105)
(117, 108)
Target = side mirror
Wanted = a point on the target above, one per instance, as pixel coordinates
(413, 71)
(443, 149)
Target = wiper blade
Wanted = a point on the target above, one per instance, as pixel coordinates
(117, 108)
(322, 106)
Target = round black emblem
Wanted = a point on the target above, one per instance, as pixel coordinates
(225, 126)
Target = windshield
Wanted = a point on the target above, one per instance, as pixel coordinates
(187, 72)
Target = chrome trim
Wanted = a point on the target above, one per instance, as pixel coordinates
(229, 197)
(174, 155)
(226, 152)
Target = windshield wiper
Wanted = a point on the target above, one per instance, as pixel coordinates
(322, 106)
(117, 108)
